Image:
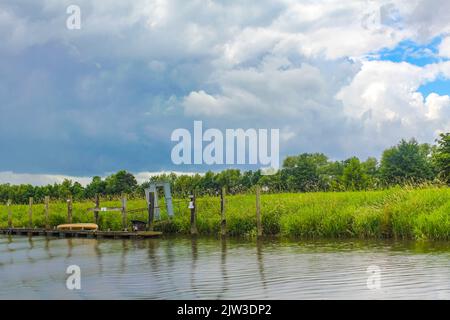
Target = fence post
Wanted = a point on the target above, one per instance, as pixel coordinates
(8, 204)
(193, 215)
(151, 210)
(124, 213)
(46, 200)
(223, 224)
(258, 211)
(30, 213)
(69, 209)
(97, 207)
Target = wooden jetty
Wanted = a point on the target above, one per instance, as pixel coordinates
(85, 230)
(80, 233)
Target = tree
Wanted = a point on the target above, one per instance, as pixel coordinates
(65, 189)
(208, 183)
(250, 179)
(273, 182)
(354, 177)
(302, 172)
(230, 179)
(121, 182)
(97, 186)
(77, 191)
(406, 162)
(331, 174)
(441, 157)
(370, 167)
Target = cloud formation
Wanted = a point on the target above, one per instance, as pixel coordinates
(106, 97)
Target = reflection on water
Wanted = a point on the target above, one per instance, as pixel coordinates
(205, 268)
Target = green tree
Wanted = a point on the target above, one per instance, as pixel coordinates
(370, 167)
(208, 183)
(406, 162)
(77, 191)
(65, 189)
(441, 157)
(121, 182)
(331, 174)
(303, 172)
(273, 183)
(354, 176)
(97, 186)
(231, 179)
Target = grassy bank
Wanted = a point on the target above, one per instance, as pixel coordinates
(394, 213)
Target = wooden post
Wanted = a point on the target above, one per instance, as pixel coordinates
(124, 213)
(223, 224)
(97, 208)
(46, 202)
(258, 211)
(8, 204)
(193, 215)
(30, 213)
(151, 211)
(69, 210)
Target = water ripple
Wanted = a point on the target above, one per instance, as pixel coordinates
(183, 268)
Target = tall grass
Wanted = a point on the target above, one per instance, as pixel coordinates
(395, 213)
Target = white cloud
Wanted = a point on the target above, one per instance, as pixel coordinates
(384, 98)
(202, 104)
(38, 179)
(235, 31)
(275, 88)
(295, 65)
(45, 179)
(438, 109)
(444, 48)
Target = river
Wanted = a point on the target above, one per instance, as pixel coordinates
(209, 268)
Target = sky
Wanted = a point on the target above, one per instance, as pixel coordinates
(340, 77)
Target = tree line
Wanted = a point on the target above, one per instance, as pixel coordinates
(408, 162)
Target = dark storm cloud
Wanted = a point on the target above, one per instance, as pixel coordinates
(108, 96)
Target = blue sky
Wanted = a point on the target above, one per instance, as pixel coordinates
(413, 52)
(343, 78)
(420, 55)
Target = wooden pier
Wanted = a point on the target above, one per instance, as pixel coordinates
(80, 233)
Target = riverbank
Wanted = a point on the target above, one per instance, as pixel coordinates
(394, 213)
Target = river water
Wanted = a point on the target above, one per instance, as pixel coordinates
(208, 268)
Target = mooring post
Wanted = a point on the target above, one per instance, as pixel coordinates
(192, 206)
(223, 224)
(124, 213)
(69, 209)
(97, 208)
(258, 211)
(30, 212)
(46, 203)
(8, 204)
(151, 210)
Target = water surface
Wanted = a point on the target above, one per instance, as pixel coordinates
(207, 268)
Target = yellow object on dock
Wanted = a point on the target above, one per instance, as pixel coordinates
(78, 226)
(66, 232)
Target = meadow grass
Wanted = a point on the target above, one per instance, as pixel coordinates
(403, 213)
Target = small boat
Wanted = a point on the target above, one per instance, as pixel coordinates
(78, 226)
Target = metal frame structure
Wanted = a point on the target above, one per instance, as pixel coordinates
(153, 188)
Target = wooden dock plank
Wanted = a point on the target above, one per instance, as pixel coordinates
(80, 233)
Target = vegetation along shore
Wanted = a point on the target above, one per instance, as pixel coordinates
(405, 195)
(402, 213)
